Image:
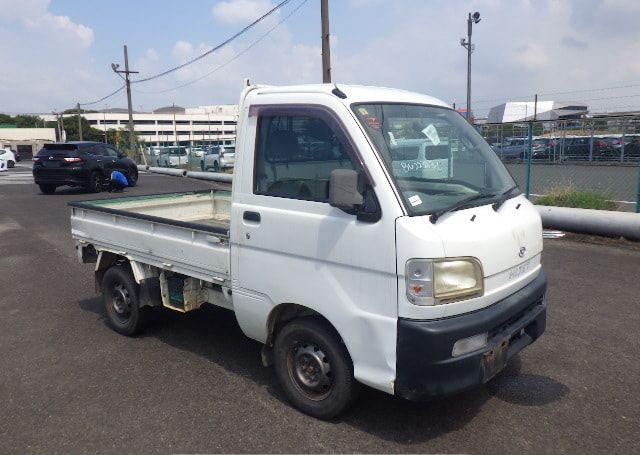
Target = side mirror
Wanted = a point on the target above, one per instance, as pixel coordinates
(343, 190)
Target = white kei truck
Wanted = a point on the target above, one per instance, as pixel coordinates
(371, 236)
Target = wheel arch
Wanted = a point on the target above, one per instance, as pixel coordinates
(104, 261)
(283, 313)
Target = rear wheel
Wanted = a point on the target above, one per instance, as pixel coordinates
(95, 182)
(10, 164)
(47, 188)
(120, 293)
(202, 168)
(314, 368)
(216, 166)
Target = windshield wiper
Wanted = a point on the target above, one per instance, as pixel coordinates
(459, 205)
(505, 196)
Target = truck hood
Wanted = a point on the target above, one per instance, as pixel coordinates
(508, 243)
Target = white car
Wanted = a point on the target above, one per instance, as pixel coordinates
(173, 157)
(3, 165)
(219, 157)
(197, 152)
(8, 156)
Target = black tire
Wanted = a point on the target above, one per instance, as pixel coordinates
(133, 177)
(314, 368)
(47, 188)
(216, 167)
(120, 295)
(95, 182)
(10, 164)
(202, 168)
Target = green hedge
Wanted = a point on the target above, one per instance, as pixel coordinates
(573, 197)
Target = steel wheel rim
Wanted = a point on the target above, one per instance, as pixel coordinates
(309, 370)
(121, 302)
(95, 184)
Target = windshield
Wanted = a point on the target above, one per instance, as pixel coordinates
(436, 158)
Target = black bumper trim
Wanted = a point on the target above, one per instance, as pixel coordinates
(425, 367)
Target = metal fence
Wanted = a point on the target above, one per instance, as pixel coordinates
(599, 157)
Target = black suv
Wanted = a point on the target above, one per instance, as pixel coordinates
(86, 164)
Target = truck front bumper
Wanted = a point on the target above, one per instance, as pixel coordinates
(425, 366)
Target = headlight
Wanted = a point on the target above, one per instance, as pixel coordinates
(434, 282)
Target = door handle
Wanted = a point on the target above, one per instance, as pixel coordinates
(99, 161)
(252, 217)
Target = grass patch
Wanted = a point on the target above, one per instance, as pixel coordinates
(573, 197)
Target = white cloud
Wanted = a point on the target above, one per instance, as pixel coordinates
(47, 56)
(81, 34)
(240, 11)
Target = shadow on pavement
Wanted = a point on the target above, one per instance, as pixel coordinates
(214, 334)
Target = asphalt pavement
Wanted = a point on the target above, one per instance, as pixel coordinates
(194, 383)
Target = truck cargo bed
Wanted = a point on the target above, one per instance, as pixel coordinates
(185, 232)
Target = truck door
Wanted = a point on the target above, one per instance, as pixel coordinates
(293, 247)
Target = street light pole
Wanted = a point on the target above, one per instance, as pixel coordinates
(472, 19)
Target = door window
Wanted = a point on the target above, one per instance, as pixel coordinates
(110, 151)
(96, 150)
(295, 155)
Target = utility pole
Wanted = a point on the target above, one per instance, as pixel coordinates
(326, 52)
(473, 19)
(79, 122)
(58, 129)
(104, 123)
(126, 73)
(175, 131)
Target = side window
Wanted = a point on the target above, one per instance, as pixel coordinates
(295, 155)
(110, 151)
(96, 150)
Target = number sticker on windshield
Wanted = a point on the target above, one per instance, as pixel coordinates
(431, 132)
(415, 200)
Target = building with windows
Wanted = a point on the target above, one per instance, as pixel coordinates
(26, 141)
(521, 111)
(165, 126)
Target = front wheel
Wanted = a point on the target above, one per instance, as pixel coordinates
(216, 167)
(10, 164)
(202, 168)
(47, 188)
(133, 177)
(120, 294)
(314, 368)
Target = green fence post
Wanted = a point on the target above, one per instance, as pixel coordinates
(529, 152)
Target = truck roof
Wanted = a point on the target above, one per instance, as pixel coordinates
(354, 93)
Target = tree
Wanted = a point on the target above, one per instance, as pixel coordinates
(120, 138)
(70, 125)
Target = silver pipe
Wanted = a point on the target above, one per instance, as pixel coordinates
(588, 221)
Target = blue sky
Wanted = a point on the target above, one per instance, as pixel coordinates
(58, 52)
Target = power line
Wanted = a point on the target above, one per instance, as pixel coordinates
(210, 51)
(235, 57)
(104, 97)
(566, 92)
(592, 90)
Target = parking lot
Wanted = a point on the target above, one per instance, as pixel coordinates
(194, 383)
